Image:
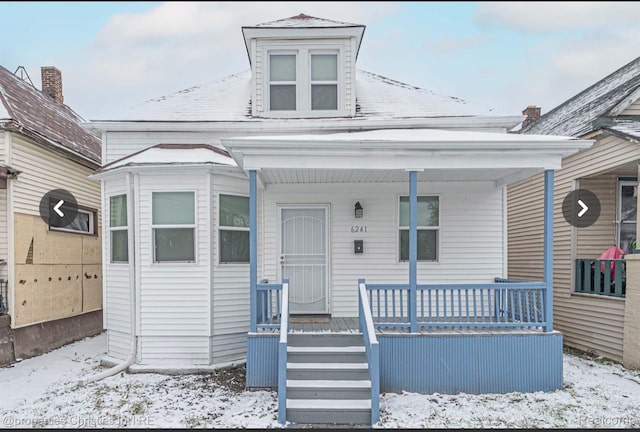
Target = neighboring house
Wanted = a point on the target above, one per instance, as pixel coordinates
(234, 206)
(52, 277)
(592, 308)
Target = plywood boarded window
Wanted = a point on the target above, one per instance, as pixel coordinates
(173, 225)
(118, 228)
(428, 222)
(234, 229)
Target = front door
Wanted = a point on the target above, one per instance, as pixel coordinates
(304, 257)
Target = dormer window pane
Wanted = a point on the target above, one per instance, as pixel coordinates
(324, 67)
(324, 82)
(282, 77)
(324, 97)
(283, 67)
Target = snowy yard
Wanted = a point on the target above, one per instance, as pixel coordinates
(44, 392)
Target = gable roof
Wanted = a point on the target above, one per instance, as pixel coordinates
(303, 20)
(27, 110)
(575, 116)
(229, 100)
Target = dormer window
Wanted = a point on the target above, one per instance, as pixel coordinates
(282, 82)
(304, 81)
(324, 82)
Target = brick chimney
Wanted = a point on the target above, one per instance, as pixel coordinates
(533, 114)
(52, 82)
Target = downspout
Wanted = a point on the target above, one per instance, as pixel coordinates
(132, 285)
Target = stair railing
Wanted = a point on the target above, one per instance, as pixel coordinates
(372, 348)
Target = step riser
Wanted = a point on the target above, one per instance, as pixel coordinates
(324, 340)
(342, 393)
(329, 417)
(322, 374)
(315, 357)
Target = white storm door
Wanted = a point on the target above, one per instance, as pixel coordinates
(304, 257)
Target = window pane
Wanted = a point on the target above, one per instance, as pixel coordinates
(80, 223)
(234, 211)
(427, 245)
(174, 244)
(234, 246)
(324, 97)
(628, 204)
(324, 67)
(118, 211)
(427, 211)
(627, 236)
(119, 246)
(282, 67)
(173, 208)
(282, 98)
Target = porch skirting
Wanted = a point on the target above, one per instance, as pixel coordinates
(447, 363)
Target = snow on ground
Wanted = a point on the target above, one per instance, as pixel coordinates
(44, 392)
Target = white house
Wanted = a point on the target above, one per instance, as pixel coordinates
(370, 212)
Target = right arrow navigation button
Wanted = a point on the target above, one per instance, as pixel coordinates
(581, 208)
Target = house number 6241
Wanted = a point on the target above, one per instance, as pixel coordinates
(358, 228)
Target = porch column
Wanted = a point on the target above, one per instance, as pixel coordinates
(548, 249)
(413, 250)
(253, 252)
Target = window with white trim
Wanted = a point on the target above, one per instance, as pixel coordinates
(173, 224)
(428, 224)
(303, 82)
(627, 214)
(84, 223)
(233, 227)
(282, 82)
(118, 229)
(324, 82)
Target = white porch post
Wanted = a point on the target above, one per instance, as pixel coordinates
(413, 250)
(253, 252)
(548, 249)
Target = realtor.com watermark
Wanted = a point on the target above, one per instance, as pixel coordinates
(610, 421)
(77, 421)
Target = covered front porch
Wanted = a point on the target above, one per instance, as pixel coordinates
(443, 333)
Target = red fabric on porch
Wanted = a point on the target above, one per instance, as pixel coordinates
(614, 252)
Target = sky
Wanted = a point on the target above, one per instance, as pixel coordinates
(499, 55)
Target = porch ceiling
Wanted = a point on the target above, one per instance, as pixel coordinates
(296, 175)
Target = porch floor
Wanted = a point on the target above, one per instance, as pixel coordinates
(350, 325)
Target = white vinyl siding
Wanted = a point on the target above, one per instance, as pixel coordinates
(174, 297)
(587, 322)
(117, 290)
(230, 290)
(471, 243)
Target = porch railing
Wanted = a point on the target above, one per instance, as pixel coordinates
(268, 304)
(372, 349)
(603, 277)
(282, 354)
(459, 306)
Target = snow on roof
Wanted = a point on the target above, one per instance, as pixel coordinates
(303, 20)
(174, 154)
(629, 129)
(575, 116)
(43, 117)
(412, 135)
(229, 100)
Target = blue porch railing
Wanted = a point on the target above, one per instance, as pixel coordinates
(603, 277)
(459, 306)
(372, 349)
(268, 305)
(282, 354)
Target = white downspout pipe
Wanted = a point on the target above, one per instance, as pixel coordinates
(132, 285)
